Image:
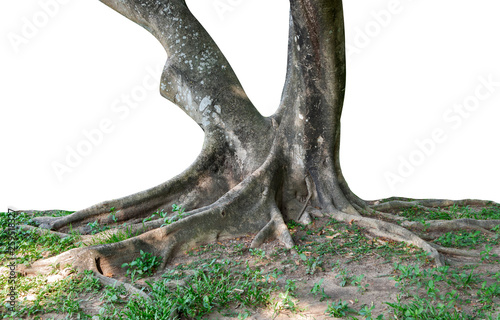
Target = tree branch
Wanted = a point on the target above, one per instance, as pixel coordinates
(197, 77)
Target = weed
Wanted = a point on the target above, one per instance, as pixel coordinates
(311, 263)
(179, 214)
(464, 280)
(292, 224)
(119, 235)
(461, 239)
(422, 309)
(344, 277)
(339, 309)
(145, 265)
(356, 281)
(417, 214)
(239, 248)
(291, 286)
(213, 287)
(259, 253)
(285, 303)
(95, 227)
(487, 293)
(317, 288)
(486, 253)
(366, 312)
(113, 294)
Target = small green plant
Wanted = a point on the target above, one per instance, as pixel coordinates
(117, 236)
(114, 294)
(291, 286)
(344, 277)
(179, 214)
(464, 280)
(461, 239)
(292, 224)
(422, 309)
(339, 309)
(179, 210)
(239, 248)
(366, 312)
(486, 253)
(145, 265)
(285, 303)
(317, 288)
(259, 253)
(311, 263)
(95, 227)
(487, 293)
(356, 281)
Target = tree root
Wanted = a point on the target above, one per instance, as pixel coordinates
(453, 225)
(276, 228)
(43, 232)
(432, 229)
(253, 206)
(399, 203)
(256, 196)
(105, 281)
(222, 219)
(456, 252)
(389, 230)
(185, 189)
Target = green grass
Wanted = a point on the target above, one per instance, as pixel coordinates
(454, 212)
(143, 266)
(120, 235)
(211, 282)
(213, 287)
(461, 239)
(436, 293)
(31, 246)
(58, 297)
(338, 239)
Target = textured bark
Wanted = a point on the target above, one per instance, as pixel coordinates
(254, 172)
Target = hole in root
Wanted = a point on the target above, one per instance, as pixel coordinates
(98, 265)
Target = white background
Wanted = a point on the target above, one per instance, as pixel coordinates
(408, 69)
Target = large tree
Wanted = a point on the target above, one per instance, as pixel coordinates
(254, 172)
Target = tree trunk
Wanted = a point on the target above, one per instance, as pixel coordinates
(254, 172)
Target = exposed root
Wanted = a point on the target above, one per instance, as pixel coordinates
(432, 229)
(456, 252)
(43, 232)
(309, 185)
(185, 189)
(391, 231)
(453, 225)
(105, 281)
(398, 202)
(276, 228)
(254, 196)
(374, 213)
